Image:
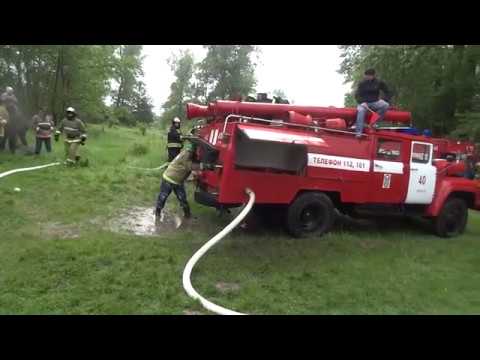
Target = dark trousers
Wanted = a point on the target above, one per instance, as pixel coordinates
(38, 144)
(172, 153)
(166, 189)
(22, 135)
(11, 138)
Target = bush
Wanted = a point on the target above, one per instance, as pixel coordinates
(138, 149)
(468, 126)
(124, 116)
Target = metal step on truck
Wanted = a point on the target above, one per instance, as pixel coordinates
(304, 163)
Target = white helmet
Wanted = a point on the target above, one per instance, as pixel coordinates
(176, 120)
(71, 109)
(9, 89)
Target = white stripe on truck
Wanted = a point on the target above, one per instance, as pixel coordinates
(338, 162)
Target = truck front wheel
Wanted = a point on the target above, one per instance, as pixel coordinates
(310, 212)
(452, 219)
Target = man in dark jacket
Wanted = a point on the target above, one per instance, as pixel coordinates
(174, 140)
(368, 97)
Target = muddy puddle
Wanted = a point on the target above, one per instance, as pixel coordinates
(142, 221)
(57, 231)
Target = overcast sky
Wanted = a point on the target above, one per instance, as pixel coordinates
(306, 73)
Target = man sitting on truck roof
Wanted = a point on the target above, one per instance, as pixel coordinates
(368, 97)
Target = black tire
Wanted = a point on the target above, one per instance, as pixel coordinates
(452, 219)
(310, 212)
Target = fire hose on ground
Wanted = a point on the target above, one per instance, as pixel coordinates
(187, 285)
(10, 172)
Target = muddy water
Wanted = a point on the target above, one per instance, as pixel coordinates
(61, 231)
(142, 221)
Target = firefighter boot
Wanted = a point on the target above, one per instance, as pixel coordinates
(158, 215)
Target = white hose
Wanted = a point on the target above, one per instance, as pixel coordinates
(149, 169)
(187, 285)
(27, 169)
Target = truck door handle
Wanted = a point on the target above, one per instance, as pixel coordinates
(379, 166)
(414, 169)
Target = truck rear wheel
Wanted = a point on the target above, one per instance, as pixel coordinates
(310, 212)
(452, 219)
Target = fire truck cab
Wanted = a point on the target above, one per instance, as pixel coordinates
(304, 162)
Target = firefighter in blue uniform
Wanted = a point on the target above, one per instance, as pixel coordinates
(174, 139)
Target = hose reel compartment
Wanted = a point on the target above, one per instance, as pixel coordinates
(258, 154)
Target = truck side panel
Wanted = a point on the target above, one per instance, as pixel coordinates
(330, 168)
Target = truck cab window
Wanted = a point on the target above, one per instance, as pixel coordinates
(389, 150)
(421, 153)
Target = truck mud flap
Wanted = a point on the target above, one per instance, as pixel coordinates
(260, 154)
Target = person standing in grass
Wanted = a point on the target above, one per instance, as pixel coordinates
(75, 135)
(43, 127)
(4, 117)
(174, 139)
(10, 102)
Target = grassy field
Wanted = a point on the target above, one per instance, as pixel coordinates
(58, 256)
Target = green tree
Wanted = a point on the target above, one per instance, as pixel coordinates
(227, 71)
(57, 76)
(143, 112)
(182, 90)
(127, 70)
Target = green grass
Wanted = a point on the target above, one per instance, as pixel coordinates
(399, 269)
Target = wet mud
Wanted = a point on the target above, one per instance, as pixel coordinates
(142, 221)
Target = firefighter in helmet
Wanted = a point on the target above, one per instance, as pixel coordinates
(174, 139)
(173, 180)
(74, 130)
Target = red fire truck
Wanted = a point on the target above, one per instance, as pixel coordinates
(303, 162)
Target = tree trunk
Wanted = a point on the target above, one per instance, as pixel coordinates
(57, 74)
(119, 101)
